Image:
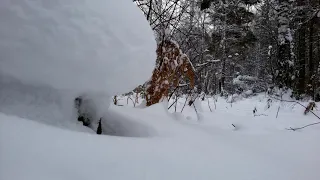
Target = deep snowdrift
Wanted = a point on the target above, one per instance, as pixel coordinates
(53, 51)
(178, 149)
(76, 45)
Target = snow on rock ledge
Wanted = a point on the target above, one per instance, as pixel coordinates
(95, 46)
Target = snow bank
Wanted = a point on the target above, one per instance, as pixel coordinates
(54, 51)
(181, 150)
(76, 45)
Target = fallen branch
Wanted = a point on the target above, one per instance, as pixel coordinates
(259, 115)
(294, 129)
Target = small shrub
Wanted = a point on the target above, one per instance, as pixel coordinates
(171, 66)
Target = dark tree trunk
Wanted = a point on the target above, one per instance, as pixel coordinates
(309, 64)
(301, 60)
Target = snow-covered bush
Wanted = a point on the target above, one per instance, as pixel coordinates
(64, 49)
(95, 48)
(233, 98)
(248, 85)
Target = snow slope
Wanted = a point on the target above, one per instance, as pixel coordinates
(168, 148)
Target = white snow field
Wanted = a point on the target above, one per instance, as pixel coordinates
(52, 51)
(168, 146)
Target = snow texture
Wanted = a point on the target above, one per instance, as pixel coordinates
(170, 146)
(87, 46)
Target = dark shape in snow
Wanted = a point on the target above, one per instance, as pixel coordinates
(99, 130)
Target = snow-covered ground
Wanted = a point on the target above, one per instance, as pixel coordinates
(156, 144)
(54, 51)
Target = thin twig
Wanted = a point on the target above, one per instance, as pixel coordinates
(186, 100)
(195, 109)
(192, 101)
(279, 104)
(278, 111)
(231, 100)
(175, 89)
(209, 106)
(173, 103)
(185, 103)
(134, 104)
(175, 106)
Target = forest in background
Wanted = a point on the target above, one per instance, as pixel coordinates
(240, 46)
